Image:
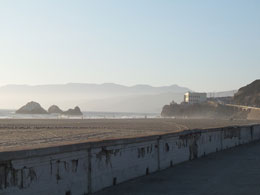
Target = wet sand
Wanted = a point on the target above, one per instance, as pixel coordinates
(19, 134)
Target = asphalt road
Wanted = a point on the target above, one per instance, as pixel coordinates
(234, 171)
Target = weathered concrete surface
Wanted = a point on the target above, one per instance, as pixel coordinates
(235, 171)
(94, 165)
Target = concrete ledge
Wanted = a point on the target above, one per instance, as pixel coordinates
(66, 169)
(27, 153)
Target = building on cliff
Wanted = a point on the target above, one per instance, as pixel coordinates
(193, 98)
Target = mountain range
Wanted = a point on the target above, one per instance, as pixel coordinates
(107, 97)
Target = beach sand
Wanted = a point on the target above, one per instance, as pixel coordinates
(20, 134)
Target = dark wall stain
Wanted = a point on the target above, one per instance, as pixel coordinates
(51, 167)
(11, 177)
(66, 166)
(107, 154)
(189, 136)
(2, 176)
(252, 132)
(32, 175)
(75, 163)
(57, 167)
(149, 149)
(147, 172)
(167, 147)
(116, 151)
(58, 177)
(191, 140)
(141, 152)
(231, 132)
(114, 181)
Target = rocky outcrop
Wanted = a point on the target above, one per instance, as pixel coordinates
(35, 108)
(31, 108)
(210, 110)
(54, 110)
(249, 95)
(75, 112)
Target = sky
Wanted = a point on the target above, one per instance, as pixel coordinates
(203, 45)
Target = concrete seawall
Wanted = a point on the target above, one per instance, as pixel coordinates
(89, 167)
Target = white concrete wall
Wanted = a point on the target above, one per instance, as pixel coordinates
(172, 151)
(115, 164)
(256, 132)
(89, 167)
(209, 142)
(56, 174)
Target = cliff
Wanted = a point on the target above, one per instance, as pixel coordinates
(249, 95)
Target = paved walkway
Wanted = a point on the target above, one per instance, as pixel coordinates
(234, 171)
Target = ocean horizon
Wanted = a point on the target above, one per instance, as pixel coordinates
(10, 114)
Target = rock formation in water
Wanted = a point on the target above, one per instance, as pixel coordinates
(76, 112)
(31, 108)
(54, 110)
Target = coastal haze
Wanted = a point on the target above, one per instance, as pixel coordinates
(97, 93)
(107, 97)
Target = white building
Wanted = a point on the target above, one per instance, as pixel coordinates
(192, 97)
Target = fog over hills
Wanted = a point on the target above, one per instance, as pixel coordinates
(93, 97)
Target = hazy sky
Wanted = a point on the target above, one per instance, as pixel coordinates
(204, 45)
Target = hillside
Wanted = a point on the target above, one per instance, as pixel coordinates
(107, 97)
(93, 97)
(249, 95)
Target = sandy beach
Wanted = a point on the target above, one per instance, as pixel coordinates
(19, 134)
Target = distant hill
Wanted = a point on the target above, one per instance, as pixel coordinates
(218, 107)
(108, 97)
(93, 97)
(249, 95)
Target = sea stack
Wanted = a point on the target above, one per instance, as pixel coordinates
(54, 110)
(31, 108)
(75, 112)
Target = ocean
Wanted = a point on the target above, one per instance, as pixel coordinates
(10, 114)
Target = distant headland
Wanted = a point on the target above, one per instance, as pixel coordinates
(245, 104)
